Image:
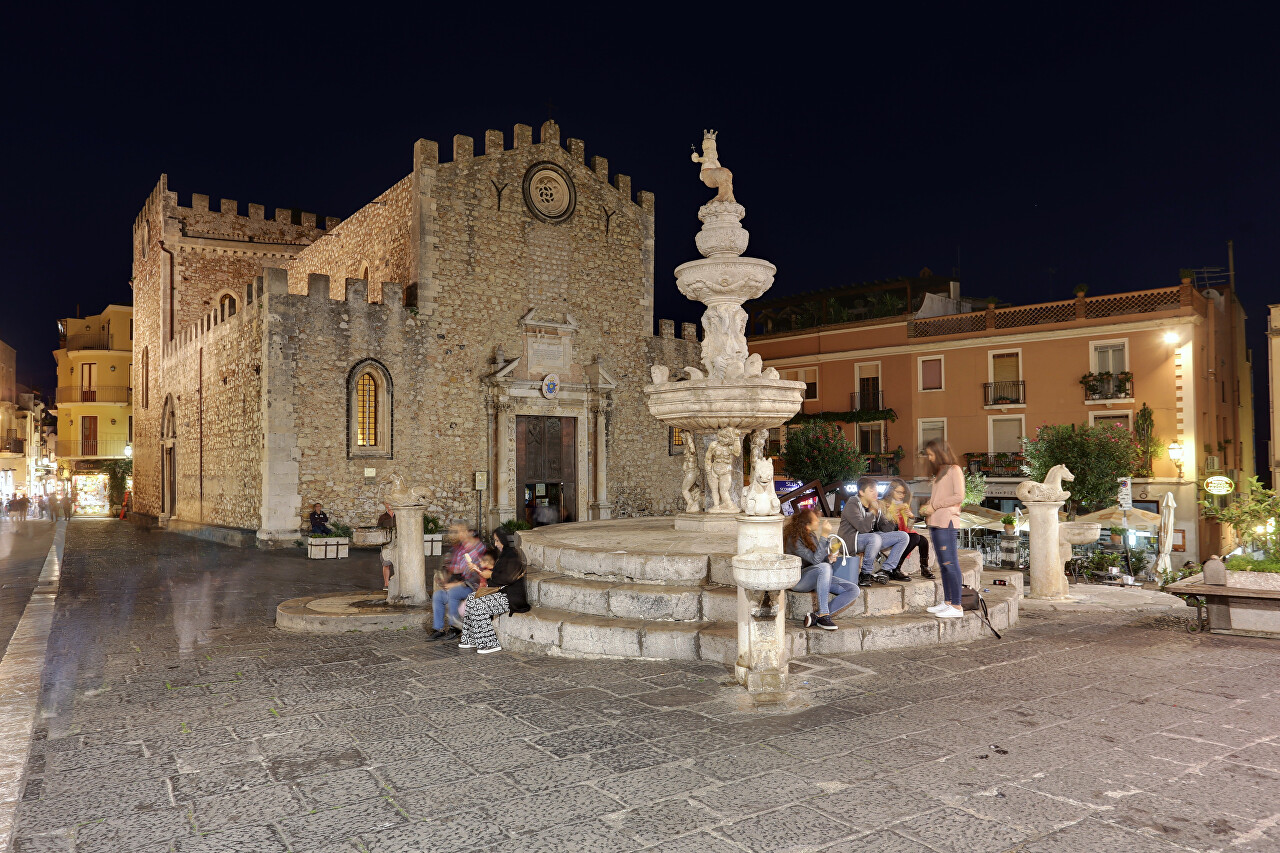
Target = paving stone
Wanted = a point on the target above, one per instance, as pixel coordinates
(1095, 836)
(698, 842)
(656, 822)
(219, 780)
(560, 806)
(450, 798)
(558, 773)
(341, 822)
(1027, 810)
(290, 767)
(885, 841)
(654, 783)
(631, 757)
(259, 805)
(240, 839)
(794, 829)
(589, 739)
(470, 830)
(961, 832)
(590, 836)
(341, 788)
(132, 831)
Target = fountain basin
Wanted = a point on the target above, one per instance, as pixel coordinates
(725, 279)
(701, 405)
(1079, 532)
(762, 571)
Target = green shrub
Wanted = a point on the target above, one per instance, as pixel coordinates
(514, 524)
(430, 524)
(1241, 563)
(822, 452)
(1116, 531)
(1008, 519)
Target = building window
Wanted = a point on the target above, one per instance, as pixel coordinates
(871, 438)
(369, 404)
(929, 429)
(1109, 357)
(807, 375)
(1124, 419)
(675, 441)
(931, 373)
(226, 306)
(1005, 434)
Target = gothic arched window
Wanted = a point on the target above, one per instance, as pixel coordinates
(369, 410)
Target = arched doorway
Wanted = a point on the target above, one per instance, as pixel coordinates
(168, 459)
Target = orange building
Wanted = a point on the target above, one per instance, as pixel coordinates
(984, 379)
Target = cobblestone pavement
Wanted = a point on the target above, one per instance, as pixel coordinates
(185, 722)
(23, 547)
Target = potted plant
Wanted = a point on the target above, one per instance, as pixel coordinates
(1106, 384)
(1010, 523)
(1092, 385)
(330, 546)
(1124, 383)
(432, 536)
(1117, 534)
(1081, 289)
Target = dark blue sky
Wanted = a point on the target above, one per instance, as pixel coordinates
(1032, 149)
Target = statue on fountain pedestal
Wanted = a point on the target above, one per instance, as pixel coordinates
(713, 174)
(761, 497)
(691, 486)
(719, 467)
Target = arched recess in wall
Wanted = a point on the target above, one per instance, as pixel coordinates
(227, 305)
(168, 457)
(369, 415)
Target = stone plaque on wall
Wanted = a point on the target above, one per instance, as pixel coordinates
(548, 354)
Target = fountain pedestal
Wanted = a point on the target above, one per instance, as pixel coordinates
(409, 586)
(1048, 580)
(763, 575)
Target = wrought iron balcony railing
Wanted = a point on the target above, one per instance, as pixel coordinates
(1007, 392)
(996, 464)
(866, 401)
(90, 340)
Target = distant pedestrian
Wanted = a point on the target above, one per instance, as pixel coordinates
(44, 507)
(387, 521)
(4, 506)
(319, 520)
(54, 509)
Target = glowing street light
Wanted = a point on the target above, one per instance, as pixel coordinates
(1175, 456)
(128, 450)
(1171, 337)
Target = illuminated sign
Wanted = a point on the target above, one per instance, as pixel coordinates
(1219, 486)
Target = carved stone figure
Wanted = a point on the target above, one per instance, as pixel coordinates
(660, 374)
(724, 343)
(1049, 490)
(713, 174)
(719, 468)
(691, 487)
(761, 497)
(403, 494)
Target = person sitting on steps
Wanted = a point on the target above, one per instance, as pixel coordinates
(461, 578)
(503, 592)
(865, 529)
(899, 510)
(800, 537)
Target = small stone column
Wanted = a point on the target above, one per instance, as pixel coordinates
(505, 465)
(1009, 550)
(763, 574)
(601, 508)
(411, 562)
(1048, 580)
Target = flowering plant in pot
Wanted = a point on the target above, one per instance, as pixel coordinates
(1010, 522)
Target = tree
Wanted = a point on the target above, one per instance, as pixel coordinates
(1252, 515)
(1151, 445)
(118, 472)
(822, 452)
(1097, 456)
(975, 488)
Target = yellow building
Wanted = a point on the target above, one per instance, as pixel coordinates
(94, 402)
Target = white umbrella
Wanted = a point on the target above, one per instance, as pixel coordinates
(1164, 565)
(1117, 516)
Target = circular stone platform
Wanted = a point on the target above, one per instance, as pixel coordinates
(339, 612)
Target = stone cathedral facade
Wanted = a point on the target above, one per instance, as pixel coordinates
(482, 328)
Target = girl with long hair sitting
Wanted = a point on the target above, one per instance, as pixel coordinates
(898, 508)
(800, 537)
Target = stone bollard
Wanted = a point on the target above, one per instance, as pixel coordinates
(763, 575)
(409, 586)
(1009, 550)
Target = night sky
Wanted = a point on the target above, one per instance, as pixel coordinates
(1027, 152)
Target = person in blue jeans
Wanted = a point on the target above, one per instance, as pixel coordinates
(866, 530)
(800, 537)
(464, 579)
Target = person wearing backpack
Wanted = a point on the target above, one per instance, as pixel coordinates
(942, 511)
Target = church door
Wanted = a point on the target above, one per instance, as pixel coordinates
(546, 470)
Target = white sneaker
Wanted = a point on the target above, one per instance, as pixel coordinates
(938, 607)
(489, 650)
(466, 645)
(950, 612)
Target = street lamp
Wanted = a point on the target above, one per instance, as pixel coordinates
(1170, 337)
(128, 450)
(1175, 456)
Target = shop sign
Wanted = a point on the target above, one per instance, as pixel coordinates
(1219, 485)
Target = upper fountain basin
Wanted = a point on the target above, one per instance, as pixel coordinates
(714, 280)
(1079, 532)
(747, 404)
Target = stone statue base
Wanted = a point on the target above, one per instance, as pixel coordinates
(409, 586)
(707, 522)
(763, 575)
(1048, 580)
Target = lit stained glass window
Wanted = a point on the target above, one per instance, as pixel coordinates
(366, 411)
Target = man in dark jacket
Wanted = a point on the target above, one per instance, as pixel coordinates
(865, 529)
(319, 520)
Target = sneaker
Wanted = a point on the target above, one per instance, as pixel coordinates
(466, 645)
(864, 579)
(950, 613)
(899, 575)
(824, 622)
(938, 607)
(880, 577)
(490, 650)
(808, 619)
(437, 635)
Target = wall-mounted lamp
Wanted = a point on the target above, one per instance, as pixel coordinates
(1171, 337)
(128, 450)
(1175, 456)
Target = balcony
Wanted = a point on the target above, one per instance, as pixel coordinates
(866, 401)
(1006, 465)
(92, 449)
(90, 340)
(1006, 393)
(13, 445)
(95, 394)
(882, 463)
(1107, 386)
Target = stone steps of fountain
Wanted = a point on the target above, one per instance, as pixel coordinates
(573, 634)
(713, 602)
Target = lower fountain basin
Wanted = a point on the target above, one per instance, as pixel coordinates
(1079, 532)
(766, 571)
(749, 404)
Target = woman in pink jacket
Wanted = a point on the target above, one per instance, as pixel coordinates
(942, 511)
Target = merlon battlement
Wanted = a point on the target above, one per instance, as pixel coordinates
(308, 223)
(426, 155)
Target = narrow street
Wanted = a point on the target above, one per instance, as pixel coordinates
(23, 548)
